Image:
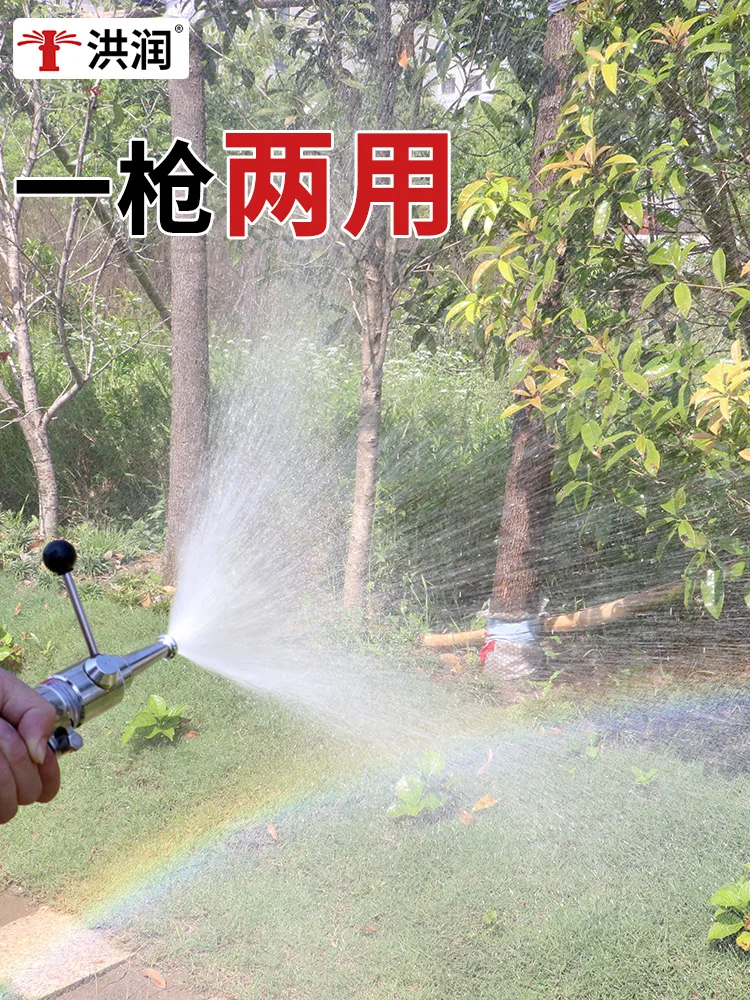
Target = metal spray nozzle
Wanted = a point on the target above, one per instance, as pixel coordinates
(96, 684)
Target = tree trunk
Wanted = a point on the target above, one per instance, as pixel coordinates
(36, 435)
(376, 267)
(33, 419)
(527, 503)
(377, 314)
(190, 372)
(526, 511)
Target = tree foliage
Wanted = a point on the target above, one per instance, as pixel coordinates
(642, 371)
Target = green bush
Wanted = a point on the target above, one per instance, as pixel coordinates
(156, 720)
(732, 913)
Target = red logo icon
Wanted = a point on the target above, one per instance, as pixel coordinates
(49, 43)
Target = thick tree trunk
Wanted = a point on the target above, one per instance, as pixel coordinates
(526, 511)
(375, 321)
(190, 373)
(527, 502)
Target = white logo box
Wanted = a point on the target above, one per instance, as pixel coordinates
(101, 48)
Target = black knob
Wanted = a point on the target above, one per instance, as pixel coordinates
(59, 557)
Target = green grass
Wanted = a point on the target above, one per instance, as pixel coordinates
(573, 887)
(121, 810)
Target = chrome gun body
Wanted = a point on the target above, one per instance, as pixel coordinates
(97, 683)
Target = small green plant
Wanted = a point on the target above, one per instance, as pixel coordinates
(10, 653)
(491, 920)
(732, 913)
(158, 719)
(644, 777)
(427, 791)
(592, 749)
(543, 689)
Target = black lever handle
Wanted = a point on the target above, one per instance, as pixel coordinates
(59, 557)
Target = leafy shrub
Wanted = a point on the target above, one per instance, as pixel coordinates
(156, 720)
(427, 791)
(16, 534)
(732, 914)
(102, 545)
(141, 591)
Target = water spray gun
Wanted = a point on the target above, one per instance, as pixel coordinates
(98, 683)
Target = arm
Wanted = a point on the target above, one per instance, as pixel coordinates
(28, 769)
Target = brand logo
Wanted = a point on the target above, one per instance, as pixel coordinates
(102, 48)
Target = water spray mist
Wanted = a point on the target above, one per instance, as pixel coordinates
(98, 683)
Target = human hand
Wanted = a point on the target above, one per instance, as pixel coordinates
(29, 771)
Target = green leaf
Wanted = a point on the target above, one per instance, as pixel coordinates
(591, 434)
(142, 720)
(722, 928)
(620, 453)
(127, 735)
(431, 763)
(157, 706)
(550, 269)
(578, 317)
(637, 382)
(522, 208)
(609, 75)
(506, 270)
(726, 895)
(687, 534)
(632, 206)
(743, 940)
(712, 593)
(651, 458)
(574, 459)
(683, 298)
(410, 789)
(402, 809)
(651, 296)
(719, 265)
(601, 217)
(469, 214)
(568, 488)
(676, 503)
(677, 181)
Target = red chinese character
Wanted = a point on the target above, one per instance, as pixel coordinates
(402, 169)
(284, 175)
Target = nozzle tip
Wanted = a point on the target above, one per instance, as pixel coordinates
(170, 643)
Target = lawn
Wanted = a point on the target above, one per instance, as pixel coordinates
(576, 884)
(121, 810)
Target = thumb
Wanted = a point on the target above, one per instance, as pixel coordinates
(31, 714)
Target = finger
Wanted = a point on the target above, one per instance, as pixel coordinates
(8, 800)
(32, 715)
(22, 767)
(49, 772)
